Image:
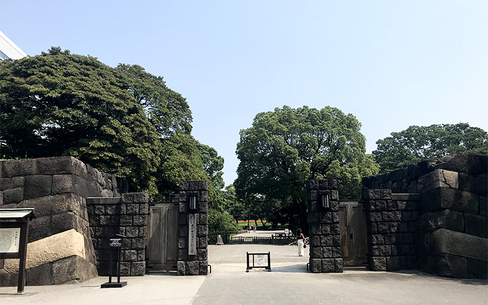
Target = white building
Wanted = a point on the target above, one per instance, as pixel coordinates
(8, 49)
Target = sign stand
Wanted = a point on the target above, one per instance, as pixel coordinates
(116, 245)
(14, 229)
(259, 260)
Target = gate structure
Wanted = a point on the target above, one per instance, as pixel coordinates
(162, 241)
(352, 224)
(323, 219)
(178, 231)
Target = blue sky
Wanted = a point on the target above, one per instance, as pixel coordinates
(392, 64)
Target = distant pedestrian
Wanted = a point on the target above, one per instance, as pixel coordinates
(300, 242)
(255, 229)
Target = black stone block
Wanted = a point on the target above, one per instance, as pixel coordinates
(12, 196)
(40, 275)
(483, 206)
(451, 266)
(476, 225)
(393, 263)
(203, 267)
(481, 182)
(477, 269)
(447, 198)
(466, 182)
(137, 268)
(377, 263)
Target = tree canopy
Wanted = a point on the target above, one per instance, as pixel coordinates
(286, 147)
(424, 142)
(62, 104)
(121, 120)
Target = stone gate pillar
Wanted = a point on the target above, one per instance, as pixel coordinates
(193, 228)
(323, 220)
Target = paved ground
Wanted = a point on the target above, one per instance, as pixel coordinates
(288, 283)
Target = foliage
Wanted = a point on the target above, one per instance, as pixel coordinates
(287, 147)
(212, 164)
(233, 206)
(423, 142)
(220, 221)
(166, 109)
(121, 120)
(62, 104)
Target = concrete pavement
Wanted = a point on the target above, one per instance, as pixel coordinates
(288, 283)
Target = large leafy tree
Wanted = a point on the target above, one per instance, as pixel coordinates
(423, 142)
(286, 147)
(63, 104)
(166, 109)
(169, 113)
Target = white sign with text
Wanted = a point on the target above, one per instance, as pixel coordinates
(9, 240)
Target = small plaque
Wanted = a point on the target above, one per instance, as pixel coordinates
(261, 260)
(9, 240)
(116, 242)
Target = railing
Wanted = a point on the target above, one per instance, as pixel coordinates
(227, 238)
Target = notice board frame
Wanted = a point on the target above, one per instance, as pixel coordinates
(21, 220)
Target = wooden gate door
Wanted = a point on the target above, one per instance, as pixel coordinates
(162, 243)
(352, 224)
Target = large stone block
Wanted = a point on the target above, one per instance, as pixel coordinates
(377, 194)
(6, 183)
(181, 266)
(138, 268)
(448, 219)
(14, 168)
(67, 221)
(477, 269)
(460, 244)
(481, 182)
(393, 263)
(192, 268)
(135, 198)
(451, 266)
(203, 267)
(73, 269)
(37, 186)
(62, 184)
(316, 265)
(51, 205)
(483, 206)
(447, 198)
(51, 249)
(471, 164)
(39, 228)
(328, 265)
(13, 196)
(40, 276)
(466, 183)
(476, 225)
(438, 178)
(377, 263)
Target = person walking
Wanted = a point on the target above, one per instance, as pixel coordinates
(300, 242)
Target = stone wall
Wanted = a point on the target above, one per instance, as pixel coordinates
(125, 215)
(325, 240)
(57, 189)
(197, 263)
(391, 221)
(452, 226)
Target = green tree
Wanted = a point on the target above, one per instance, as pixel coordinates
(423, 142)
(220, 221)
(287, 147)
(166, 109)
(233, 206)
(62, 104)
